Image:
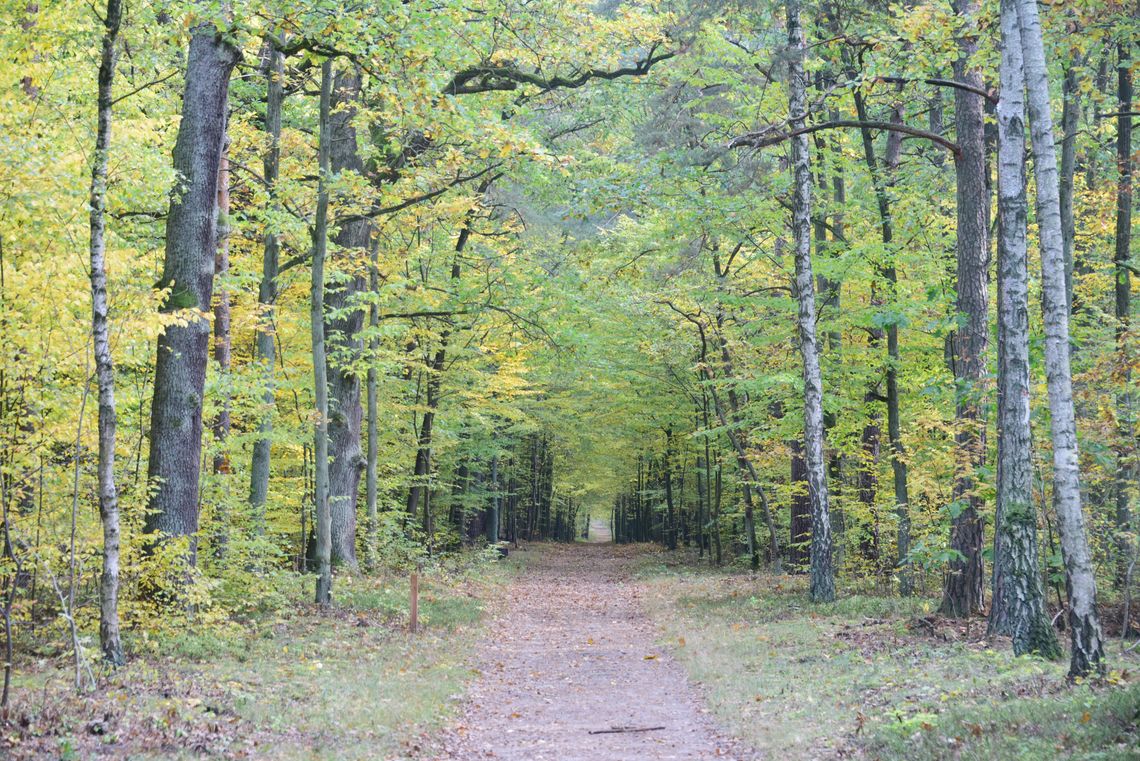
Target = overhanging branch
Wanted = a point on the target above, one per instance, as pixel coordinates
(488, 78)
(769, 136)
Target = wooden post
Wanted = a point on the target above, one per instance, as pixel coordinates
(414, 615)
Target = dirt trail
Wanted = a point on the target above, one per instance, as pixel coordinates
(574, 653)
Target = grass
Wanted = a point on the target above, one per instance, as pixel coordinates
(298, 684)
(877, 677)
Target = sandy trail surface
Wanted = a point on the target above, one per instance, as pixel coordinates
(574, 670)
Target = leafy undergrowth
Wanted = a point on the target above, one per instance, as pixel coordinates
(297, 684)
(879, 677)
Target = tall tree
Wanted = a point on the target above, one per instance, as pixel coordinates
(1087, 642)
(962, 593)
(1018, 606)
(822, 584)
(344, 319)
(174, 464)
(323, 517)
(109, 638)
(1126, 466)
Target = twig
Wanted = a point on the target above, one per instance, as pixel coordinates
(617, 730)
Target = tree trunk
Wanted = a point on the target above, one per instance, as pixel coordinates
(800, 525)
(494, 511)
(671, 522)
(223, 354)
(109, 638)
(320, 359)
(822, 584)
(188, 270)
(1070, 116)
(1087, 651)
(265, 352)
(343, 334)
(372, 457)
(1126, 468)
(963, 591)
(1018, 605)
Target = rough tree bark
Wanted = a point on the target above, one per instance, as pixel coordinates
(1087, 651)
(109, 638)
(1018, 605)
(1126, 468)
(822, 583)
(188, 270)
(343, 323)
(963, 590)
(323, 517)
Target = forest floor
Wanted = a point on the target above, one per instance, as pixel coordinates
(292, 683)
(594, 651)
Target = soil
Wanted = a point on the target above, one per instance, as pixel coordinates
(574, 670)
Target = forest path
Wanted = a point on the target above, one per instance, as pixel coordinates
(599, 532)
(574, 654)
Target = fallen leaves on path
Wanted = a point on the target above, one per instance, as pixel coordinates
(582, 678)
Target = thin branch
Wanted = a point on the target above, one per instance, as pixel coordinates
(990, 94)
(140, 88)
(768, 137)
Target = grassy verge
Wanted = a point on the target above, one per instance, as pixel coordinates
(878, 677)
(298, 684)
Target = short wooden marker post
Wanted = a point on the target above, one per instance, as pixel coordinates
(414, 615)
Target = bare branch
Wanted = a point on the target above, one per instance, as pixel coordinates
(769, 136)
(488, 78)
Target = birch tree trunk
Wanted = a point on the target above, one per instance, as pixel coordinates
(109, 638)
(174, 465)
(1018, 607)
(265, 349)
(1087, 651)
(822, 584)
(320, 364)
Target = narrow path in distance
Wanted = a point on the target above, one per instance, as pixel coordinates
(572, 654)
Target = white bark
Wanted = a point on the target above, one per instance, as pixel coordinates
(109, 638)
(1018, 607)
(822, 587)
(1084, 627)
